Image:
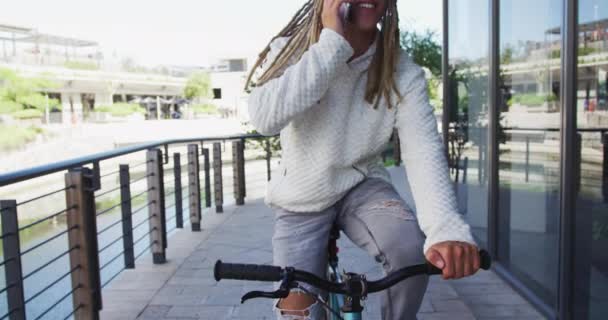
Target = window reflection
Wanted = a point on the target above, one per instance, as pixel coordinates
(592, 205)
(469, 104)
(529, 153)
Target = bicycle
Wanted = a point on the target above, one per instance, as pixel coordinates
(346, 291)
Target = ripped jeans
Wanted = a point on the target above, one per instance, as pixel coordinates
(375, 218)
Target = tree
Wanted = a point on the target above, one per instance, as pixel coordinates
(18, 93)
(198, 86)
(424, 49)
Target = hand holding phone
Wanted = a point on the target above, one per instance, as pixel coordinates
(336, 14)
(346, 12)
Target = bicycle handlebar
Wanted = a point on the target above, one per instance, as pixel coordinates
(253, 272)
(272, 273)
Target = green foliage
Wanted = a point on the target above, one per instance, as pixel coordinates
(208, 108)
(37, 101)
(582, 51)
(531, 99)
(261, 143)
(507, 55)
(28, 114)
(424, 49)
(8, 107)
(19, 95)
(433, 92)
(389, 162)
(12, 136)
(81, 65)
(121, 109)
(198, 86)
(109, 202)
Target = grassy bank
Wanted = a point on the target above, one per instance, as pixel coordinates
(13, 137)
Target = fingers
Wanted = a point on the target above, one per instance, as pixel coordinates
(330, 17)
(435, 259)
(458, 261)
(455, 259)
(447, 253)
(476, 260)
(334, 5)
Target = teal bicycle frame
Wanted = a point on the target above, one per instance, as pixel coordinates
(336, 301)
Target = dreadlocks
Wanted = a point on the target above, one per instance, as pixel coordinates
(304, 30)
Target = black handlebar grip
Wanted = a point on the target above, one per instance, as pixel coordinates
(485, 262)
(246, 272)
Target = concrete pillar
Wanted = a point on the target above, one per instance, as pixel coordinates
(71, 106)
(103, 98)
(158, 111)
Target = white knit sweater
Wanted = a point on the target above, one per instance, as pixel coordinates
(332, 138)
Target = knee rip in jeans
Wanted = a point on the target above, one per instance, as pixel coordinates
(393, 207)
(311, 312)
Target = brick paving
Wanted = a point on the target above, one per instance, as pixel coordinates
(184, 287)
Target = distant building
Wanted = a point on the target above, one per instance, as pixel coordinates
(88, 79)
(84, 80)
(23, 45)
(228, 78)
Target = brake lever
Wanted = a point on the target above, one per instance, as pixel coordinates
(262, 294)
(282, 292)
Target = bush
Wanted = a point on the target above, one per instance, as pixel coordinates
(198, 86)
(121, 109)
(205, 108)
(38, 101)
(12, 136)
(8, 107)
(531, 99)
(81, 65)
(582, 51)
(28, 114)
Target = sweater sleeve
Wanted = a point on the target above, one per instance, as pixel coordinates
(275, 103)
(423, 155)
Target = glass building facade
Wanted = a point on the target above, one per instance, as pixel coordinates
(525, 89)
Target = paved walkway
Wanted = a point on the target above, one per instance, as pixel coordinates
(184, 287)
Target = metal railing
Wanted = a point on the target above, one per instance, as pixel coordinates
(158, 192)
(99, 236)
(459, 136)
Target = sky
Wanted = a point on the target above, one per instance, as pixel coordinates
(180, 32)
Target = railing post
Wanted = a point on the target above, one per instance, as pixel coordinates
(127, 221)
(177, 174)
(268, 157)
(217, 177)
(82, 226)
(194, 187)
(242, 168)
(156, 206)
(480, 156)
(13, 272)
(166, 154)
(396, 148)
(237, 177)
(96, 176)
(464, 170)
(605, 166)
(527, 158)
(578, 159)
(207, 168)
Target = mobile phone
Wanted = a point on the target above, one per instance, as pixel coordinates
(346, 12)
